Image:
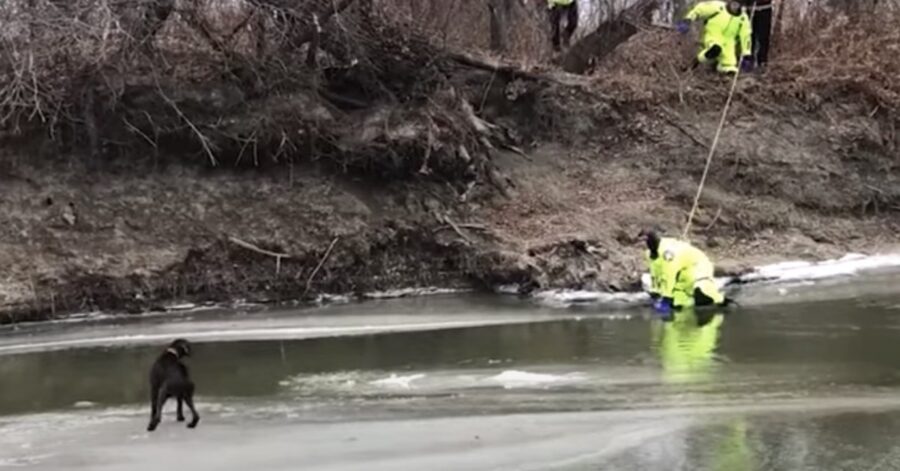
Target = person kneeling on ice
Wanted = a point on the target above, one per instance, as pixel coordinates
(726, 29)
(681, 274)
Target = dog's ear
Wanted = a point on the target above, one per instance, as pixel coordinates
(182, 346)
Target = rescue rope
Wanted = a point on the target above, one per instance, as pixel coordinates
(713, 146)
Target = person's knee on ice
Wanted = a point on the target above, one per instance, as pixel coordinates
(702, 299)
(706, 293)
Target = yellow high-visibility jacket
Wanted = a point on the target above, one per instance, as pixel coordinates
(679, 268)
(561, 3)
(723, 29)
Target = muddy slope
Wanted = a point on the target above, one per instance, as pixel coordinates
(485, 175)
(133, 238)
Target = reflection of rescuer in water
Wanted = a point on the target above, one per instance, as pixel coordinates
(686, 346)
(681, 275)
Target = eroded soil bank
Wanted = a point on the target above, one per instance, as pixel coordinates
(456, 171)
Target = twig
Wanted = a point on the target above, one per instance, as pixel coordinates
(240, 26)
(313, 53)
(674, 123)
(253, 248)
(139, 132)
(874, 188)
(487, 90)
(37, 101)
(469, 187)
(680, 82)
(324, 17)
(455, 227)
(247, 142)
(517, 150)
(249, 246)
(495, 67)
(319, 266)
(203, 139)
(424, 168)
(284, 139)
(715, 219)
(474, 226)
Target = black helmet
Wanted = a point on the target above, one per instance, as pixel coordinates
(651, 237)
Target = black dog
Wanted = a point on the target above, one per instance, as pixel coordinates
(169, 378)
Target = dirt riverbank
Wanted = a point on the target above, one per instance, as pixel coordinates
(459, 176)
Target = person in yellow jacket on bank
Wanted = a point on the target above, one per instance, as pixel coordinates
(681, 274)
(560, 9)
(727, 32)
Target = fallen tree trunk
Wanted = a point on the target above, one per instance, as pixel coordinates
(607, 37)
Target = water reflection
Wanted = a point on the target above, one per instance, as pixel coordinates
(731, 450)
(686, 345)
(809, 386)
(805, 351)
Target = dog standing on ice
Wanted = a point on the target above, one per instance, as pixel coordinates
(169, 378)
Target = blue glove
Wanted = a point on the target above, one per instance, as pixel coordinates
(747, 64)
(683, 26)
(663, 306)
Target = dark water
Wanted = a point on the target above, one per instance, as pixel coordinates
(820, 347)
(803, 386)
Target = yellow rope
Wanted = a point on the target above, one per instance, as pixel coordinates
(712, 148)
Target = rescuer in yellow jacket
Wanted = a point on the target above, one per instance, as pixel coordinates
(726, 29)
(681, 274)
(560, 9)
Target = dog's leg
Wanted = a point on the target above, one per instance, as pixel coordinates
(161, 397)
(180, 413)
(153, 415)
(189, 400)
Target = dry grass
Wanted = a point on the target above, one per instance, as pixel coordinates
(817, 54)
(162, 67)
(834, 53)
(245, 82)
(64, 63)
